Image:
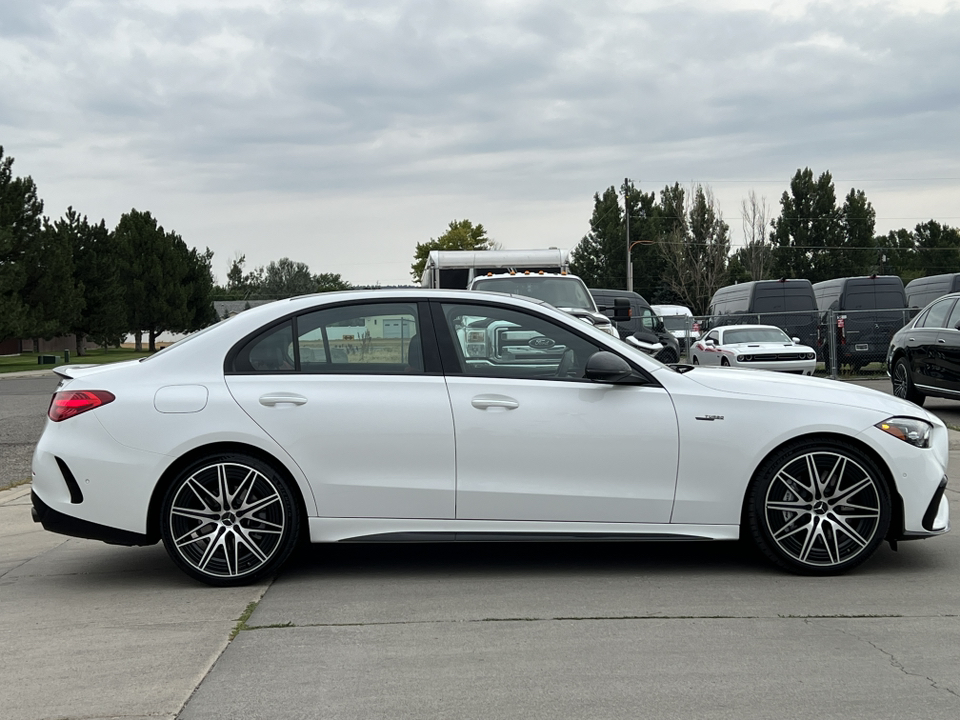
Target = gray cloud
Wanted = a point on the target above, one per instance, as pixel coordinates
(542, 100)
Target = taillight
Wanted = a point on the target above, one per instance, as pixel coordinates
(67, 403)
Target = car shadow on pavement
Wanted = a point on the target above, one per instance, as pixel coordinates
(524, 558)
(612, 559)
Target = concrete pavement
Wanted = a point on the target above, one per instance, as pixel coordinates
(91, 631)
(476, 631)
(88, 630)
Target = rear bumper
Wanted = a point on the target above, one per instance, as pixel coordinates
(58, 522)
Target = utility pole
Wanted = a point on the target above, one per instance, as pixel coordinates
(626, 207)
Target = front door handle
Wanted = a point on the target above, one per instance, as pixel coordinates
(941, 341)
(485, 402)
(282, 399)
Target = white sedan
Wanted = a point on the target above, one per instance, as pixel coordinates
(757, 347)
(434, 415)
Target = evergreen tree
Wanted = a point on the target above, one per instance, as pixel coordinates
(96, 265)
(20, 227)
(859, 254)
(600, 257)
(200, 285)
(157, 267)
(809, 225)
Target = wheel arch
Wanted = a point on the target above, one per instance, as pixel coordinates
(896, 502)
(168, 476)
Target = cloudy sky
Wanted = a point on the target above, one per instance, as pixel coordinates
(341, 134)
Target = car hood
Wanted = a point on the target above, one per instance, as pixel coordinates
(771, 346)
(802, 387)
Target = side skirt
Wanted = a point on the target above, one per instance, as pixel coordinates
(325, 530)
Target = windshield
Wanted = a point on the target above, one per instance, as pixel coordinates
(561, 292)
(748, 335)
(676, 322)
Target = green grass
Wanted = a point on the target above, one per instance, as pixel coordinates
(28, 361)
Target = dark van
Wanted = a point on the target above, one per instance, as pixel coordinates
(788, 304)
(642, 317)
(867, 312)
(923, 291)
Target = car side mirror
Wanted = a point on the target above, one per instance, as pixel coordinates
(621, 310)
(607, 367)
(709, 343)
(796, 341)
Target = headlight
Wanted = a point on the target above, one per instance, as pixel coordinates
(910, 430)
(742, 358)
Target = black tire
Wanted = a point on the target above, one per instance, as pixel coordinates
(724, 362)
(668, 357)
(903, 386)
(229, 519)
(818, 508)
(696, 360)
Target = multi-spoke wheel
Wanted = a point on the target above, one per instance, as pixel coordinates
(819, 508)
(229, 519)
(724, 362)
(903, 386)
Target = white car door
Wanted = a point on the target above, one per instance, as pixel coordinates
(352, 402)
(534, 442)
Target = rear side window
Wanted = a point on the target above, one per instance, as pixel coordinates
(936, 316)
(271, 351)
(375, 338)
(954, 318)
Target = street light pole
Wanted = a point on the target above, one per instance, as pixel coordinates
(626, 206)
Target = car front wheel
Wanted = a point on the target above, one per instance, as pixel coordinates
(229, 519)
(818, 508)
(903, 386)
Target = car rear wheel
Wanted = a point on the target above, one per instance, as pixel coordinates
(903, 386)
(229, 519)
(818, 508)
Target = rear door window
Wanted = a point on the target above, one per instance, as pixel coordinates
(936, 316)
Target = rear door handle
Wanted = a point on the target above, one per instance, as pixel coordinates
(485, 402)
(282, 399)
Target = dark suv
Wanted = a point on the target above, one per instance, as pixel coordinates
(924, 356)
(642, 317)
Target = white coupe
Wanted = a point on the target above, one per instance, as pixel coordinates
(757, 347)
(397, 415)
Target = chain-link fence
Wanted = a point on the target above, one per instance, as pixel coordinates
(852, 342)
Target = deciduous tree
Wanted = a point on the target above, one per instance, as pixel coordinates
(696, 248)
(460, 235)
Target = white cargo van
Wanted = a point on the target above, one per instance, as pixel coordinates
(679, 322)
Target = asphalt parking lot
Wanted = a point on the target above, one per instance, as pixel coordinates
(623, 630)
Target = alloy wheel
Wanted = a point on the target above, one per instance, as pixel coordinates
(228, 521)
(824, 510)
(900, 380)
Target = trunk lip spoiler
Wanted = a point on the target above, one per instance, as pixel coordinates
(71, 372)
